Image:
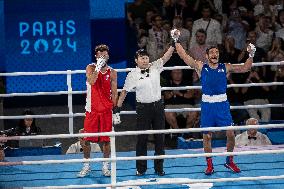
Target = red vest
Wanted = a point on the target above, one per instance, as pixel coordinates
(99, 94)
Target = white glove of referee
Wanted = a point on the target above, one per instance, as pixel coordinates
(251, 50)
(101, 61)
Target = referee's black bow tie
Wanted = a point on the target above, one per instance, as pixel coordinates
(145, 71)
(249, 137)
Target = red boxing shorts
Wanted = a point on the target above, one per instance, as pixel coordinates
(98, 123)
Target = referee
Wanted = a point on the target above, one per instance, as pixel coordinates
(145, 81)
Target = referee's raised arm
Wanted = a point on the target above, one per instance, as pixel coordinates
(168, 54)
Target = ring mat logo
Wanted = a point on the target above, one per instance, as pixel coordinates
(190, 186)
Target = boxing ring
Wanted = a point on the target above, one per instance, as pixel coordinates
(186, 172)
(262, 167)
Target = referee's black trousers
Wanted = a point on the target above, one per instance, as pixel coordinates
(150, 116)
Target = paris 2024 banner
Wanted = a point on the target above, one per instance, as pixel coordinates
(46, 35)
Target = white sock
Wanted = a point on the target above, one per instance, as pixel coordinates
(105, 164)
(86, 163)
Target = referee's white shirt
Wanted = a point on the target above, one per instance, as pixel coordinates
(148, 89)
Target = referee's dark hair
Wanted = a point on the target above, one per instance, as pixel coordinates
(141, 52)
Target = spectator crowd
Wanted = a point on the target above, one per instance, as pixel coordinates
(231, 25)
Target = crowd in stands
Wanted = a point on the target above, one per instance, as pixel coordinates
(231, 25)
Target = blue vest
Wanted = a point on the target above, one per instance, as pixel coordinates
(213, 81)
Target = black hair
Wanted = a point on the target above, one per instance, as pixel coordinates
(281, 43)
(189, 19)
(153, 18)
(206, 7)
(211, 47)
(201, 31)
(22, 127)
(141, 52)
(278, 15)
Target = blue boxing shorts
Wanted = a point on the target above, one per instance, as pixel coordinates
(215, 114)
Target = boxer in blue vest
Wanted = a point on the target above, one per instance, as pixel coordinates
(215, 108)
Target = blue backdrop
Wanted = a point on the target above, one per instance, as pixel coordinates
(49, 35)
(108, 26)
(45, 35)
(2, 43)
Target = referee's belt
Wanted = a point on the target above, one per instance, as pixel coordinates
(150, 103)
(214, 98)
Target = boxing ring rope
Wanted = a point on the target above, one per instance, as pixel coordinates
(112, 134)
(188, 181)
(163, 89)
(95, 160)
(121, 70)
(70, 92)
(134, 112)
(125, 133)
(114, 159)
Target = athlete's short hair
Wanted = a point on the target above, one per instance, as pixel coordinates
(101, 47)
(211, 47)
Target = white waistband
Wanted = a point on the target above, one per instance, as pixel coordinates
(214, 98)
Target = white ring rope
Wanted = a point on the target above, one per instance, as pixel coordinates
(184, 181)
(93, 160)
(119, 70)
(40, 116)
(163, 89)
(140, 132)
(134, 112)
